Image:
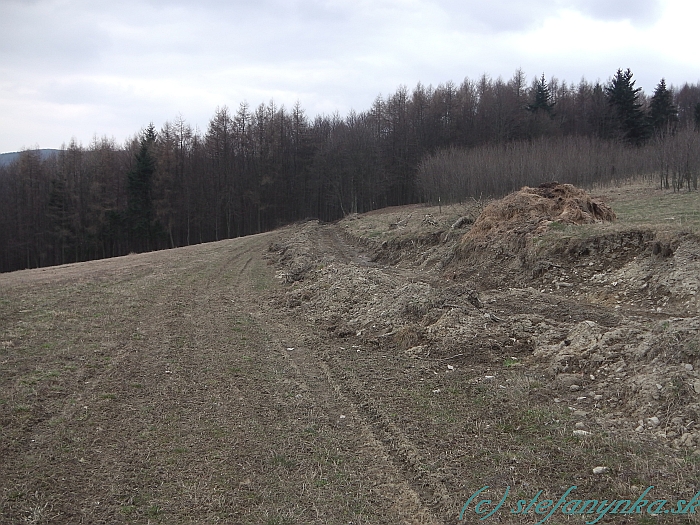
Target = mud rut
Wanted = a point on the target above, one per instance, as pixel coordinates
(165, 388)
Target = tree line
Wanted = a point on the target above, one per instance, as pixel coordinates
(257, 168)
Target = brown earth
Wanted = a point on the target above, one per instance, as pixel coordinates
(369, 371)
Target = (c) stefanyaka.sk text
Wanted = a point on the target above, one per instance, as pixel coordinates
(569, 504)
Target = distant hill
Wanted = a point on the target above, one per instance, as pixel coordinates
(9, 158)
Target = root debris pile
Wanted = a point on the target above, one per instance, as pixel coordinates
(531, 210)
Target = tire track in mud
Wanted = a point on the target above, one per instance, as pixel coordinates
(332, 243)
(418, 495)
(389, 480)
(404, 452)
(422, 487)
(313, 379)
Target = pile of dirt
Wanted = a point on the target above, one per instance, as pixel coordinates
(613, 331)
(531, 210)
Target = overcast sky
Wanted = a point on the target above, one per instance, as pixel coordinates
(80, 68)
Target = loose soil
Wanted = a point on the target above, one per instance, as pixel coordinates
(376, 370)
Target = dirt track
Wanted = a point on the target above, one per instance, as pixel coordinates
(193, 386)
(161, 387)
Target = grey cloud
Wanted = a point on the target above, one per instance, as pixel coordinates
(496, 15)
(39, 34)
(111, 66)
(516, 15)
(638, 11)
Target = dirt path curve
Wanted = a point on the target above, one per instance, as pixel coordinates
(164, 388)
(331, 242)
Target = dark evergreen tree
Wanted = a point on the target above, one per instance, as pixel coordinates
(623, 97)
(140, 194)
(61, 232)
(663, 113)
(543, 97)
(697, 116)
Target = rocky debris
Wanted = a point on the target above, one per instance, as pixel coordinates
(637, 367)
(401, 223)
(610, 320)
(462, 222)
(429, 219)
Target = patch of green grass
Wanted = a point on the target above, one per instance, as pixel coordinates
(692, 348)
(680, 210)
(279, 520)
(537, 417)
(648, 520)
(38, 376)
(154, 511)
(445, 416)
(693, 459)
(280, 460)
(127, 510)
(558, 226)
(15, 495)
(218, 432)
(262, 279)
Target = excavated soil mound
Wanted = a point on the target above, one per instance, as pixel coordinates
(531, 210)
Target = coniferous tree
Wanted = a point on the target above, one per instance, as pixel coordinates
(543, 97)
(140, 193)
(623, 97)
(541, 115)
(60, 228)
(663, 113)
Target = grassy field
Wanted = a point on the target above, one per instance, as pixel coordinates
(155, 389)
(185, 386)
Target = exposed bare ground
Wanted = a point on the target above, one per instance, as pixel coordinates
(369, 371)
